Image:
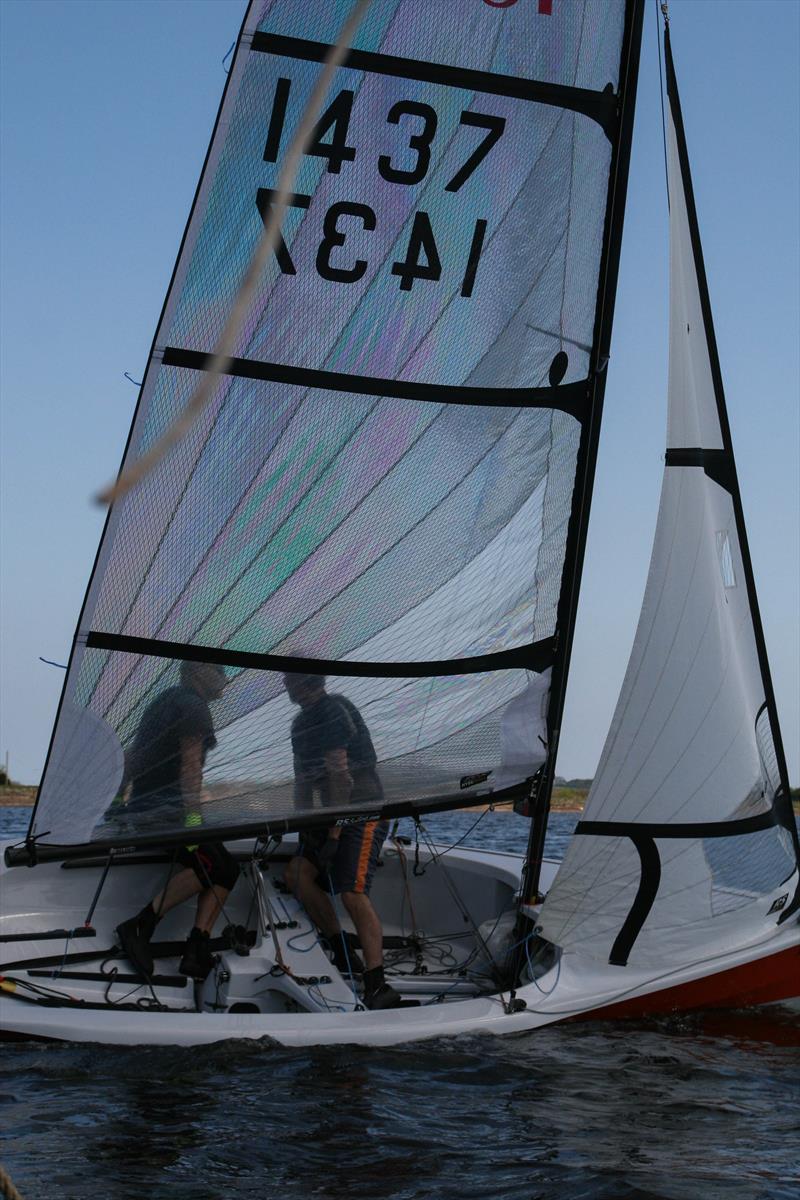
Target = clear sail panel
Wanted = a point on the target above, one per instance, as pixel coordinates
(151, 745)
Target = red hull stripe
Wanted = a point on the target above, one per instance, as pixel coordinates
(764, 981)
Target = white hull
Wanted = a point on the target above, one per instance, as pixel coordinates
(454, 991)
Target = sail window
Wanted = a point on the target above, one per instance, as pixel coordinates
(725, 559)
(737, 879)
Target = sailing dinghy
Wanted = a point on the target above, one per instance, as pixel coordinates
(390, 486)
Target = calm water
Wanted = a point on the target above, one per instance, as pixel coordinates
(704, 1108)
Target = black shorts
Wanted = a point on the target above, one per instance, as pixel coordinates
(212, 863)
(353, 867)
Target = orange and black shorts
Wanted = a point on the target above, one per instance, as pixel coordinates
(353, 867)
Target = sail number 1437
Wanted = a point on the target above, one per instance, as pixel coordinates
(419, 121)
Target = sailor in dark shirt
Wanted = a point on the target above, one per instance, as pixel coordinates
(334, 760)
(318, 730)
(155, 762)
(164, 768)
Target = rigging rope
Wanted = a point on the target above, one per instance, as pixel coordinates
(661, 91)
(130, 476)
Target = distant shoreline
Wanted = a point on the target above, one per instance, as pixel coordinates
(564, 799)
(17, 795)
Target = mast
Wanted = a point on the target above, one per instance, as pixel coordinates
(590, 435)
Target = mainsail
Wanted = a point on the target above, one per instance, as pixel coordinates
(391, 483)
(688, 841)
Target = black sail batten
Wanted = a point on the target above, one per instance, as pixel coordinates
(569, 397)
(590, 433)
(643, 835)
(535, 657)
(599, 106)
(717, 464)
(150, 366)
(725, 469)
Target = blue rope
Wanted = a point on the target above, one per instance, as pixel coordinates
(290, 942)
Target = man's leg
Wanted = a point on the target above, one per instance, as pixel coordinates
(368, 927)
(181, 887)
(216, 871)
(301, 877)
(209, 906)
(377, 992)
(353, 869)
(135, 933)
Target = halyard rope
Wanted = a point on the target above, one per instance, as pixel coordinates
(661, 91)
(226, 344)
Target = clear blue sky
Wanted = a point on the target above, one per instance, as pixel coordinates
(107, 107)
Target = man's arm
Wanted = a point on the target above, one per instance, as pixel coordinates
(191, 770)
(303, 791)
(340, 782)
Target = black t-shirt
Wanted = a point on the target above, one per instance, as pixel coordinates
(335, 723)
(153, 763)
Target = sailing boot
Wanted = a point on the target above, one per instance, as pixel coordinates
(346, 961)
(377, 992)
(134, 938)
(197, 960)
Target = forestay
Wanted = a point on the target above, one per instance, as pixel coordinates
(687, 843)
(382, 487)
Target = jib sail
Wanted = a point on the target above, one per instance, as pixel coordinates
(382, 490)
(688, 838)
